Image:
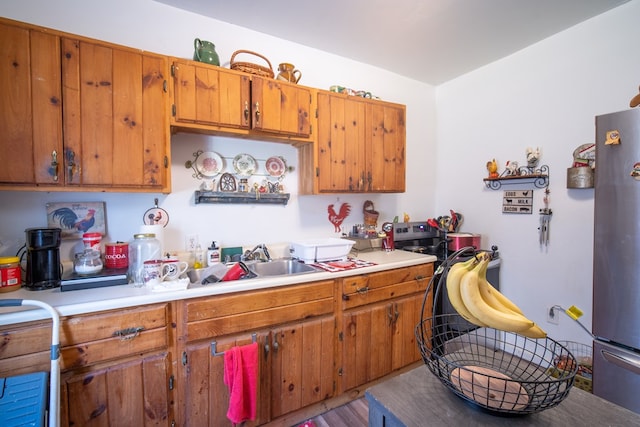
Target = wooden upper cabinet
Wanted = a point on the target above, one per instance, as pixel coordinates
(207, 98)
(280, 107)
(361, 145)
(115, 116)
(80, 114)
(210, 95)
(30, 107)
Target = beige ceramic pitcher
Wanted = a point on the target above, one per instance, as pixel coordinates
(288, 73)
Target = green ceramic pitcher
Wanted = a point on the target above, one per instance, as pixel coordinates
(205, 52)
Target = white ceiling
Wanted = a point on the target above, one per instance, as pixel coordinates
(431, 41)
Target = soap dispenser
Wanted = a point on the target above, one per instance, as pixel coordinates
(213, 254)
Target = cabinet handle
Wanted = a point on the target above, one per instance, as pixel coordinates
(128, 333)
(246, 112)
(369, 180)
(275, 343)
(257, 114)
(389, 315)
(266, 349)
(70, 163)
(362, 290)
(164, 86)
(396, 313)
(420, 277)
(54, 165)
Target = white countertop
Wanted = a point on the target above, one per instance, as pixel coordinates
(108, 298)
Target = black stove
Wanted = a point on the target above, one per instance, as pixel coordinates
(419, 237)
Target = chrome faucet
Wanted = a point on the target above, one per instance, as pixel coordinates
(251, 255)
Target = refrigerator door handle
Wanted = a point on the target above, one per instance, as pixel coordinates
(621, 361)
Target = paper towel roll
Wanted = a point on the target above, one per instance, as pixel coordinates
(158, 230)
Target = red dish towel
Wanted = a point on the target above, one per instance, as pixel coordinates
(241, 377)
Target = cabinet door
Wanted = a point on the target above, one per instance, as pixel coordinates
(115, 116)
(341, 150)
(279, 107)
(366, 344)
(209, 95)
(206, 397)
(134, 392)
(302, 365)
(30, 107)
(385, 147)
(406, 315)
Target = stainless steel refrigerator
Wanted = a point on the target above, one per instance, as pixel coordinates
(616, 262)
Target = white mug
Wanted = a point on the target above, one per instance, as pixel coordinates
(152, 272)
(173, 268)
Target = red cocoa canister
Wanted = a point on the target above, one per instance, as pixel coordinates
(116, 255)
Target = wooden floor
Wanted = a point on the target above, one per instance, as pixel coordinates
(353, 414)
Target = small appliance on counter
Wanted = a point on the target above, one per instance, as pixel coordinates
(72, 281)
(44, 270)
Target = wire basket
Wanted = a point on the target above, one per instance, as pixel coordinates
(501, 372)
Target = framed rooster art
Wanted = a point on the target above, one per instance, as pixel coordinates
(77, 218)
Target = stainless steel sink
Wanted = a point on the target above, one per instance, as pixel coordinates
(280, 267)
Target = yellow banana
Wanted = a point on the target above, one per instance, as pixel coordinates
(534, 332)
(504, 300)
(454, 276)
(472, 299)
(497, 300)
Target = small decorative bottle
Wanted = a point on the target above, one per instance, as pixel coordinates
(213, 254)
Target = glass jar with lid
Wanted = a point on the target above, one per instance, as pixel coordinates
(143, 247)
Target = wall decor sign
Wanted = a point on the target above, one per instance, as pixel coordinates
(77, 218)
(517, 202)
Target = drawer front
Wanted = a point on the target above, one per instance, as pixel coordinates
(364, 282)
(89, 339)
(117, 323)
(26, 338)
(228, 305)
(368, 289)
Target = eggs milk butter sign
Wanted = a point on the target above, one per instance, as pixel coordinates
(517, 202)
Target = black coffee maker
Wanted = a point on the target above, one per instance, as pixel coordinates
(44, 270)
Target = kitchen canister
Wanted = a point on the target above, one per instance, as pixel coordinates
(143, 247)
(116, 255)
(10, 274)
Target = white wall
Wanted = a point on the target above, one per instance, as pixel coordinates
(544, 96)
(156, 27)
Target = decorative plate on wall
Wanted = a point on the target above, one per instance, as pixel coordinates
(275, 166)
(245, 164)
(209, 164)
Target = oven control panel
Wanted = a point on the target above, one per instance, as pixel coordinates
(413, 231)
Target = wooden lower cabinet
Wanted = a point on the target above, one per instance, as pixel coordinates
(163, 364)
(295, 329)
(116, 366)
(380, 312)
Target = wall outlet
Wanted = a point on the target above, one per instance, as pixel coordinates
(190, 242)
(553, 315)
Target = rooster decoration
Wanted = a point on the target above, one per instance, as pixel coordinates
(70, 221)
(337, 218)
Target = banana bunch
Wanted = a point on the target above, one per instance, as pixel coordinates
(477, 301)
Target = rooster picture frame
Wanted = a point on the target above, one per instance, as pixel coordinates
(77, 218)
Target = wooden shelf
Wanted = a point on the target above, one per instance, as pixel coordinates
(241, 198)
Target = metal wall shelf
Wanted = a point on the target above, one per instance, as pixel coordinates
(538, 177)
(241, 198)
